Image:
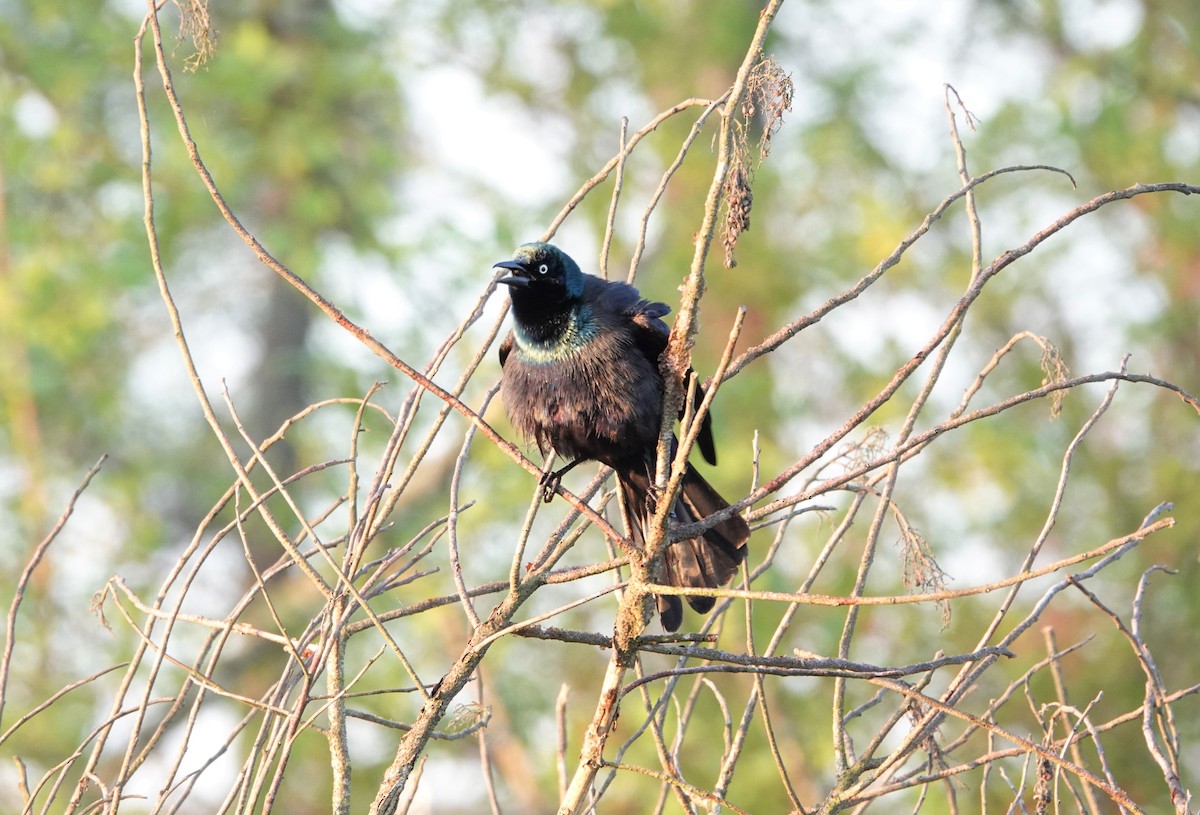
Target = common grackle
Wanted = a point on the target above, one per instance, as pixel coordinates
(581, 377)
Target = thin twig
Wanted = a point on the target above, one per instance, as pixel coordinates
(39, 552)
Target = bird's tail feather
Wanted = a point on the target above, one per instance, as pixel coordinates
(708, 561)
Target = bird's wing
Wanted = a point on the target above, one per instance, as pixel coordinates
(651, 335)
(506, 346)
(708, 447)
(650, 331)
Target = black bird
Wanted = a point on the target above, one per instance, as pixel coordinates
(580, 376)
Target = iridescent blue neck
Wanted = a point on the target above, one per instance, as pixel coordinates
(550, 338)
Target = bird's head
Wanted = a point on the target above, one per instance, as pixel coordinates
(545, 269)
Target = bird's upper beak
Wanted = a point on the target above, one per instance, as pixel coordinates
(519, 279)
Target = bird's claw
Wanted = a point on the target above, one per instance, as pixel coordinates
(549, 483)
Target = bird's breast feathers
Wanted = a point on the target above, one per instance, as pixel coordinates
(577, 332)
(591, 397)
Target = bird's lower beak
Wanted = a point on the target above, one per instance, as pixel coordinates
(518, 279)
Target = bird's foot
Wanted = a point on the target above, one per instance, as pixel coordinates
(549, 482)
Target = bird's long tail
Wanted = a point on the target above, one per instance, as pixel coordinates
(708, 561)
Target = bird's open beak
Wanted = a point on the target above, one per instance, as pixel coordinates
(519, 279)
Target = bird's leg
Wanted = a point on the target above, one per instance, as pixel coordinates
(552, 478)
(653, 494)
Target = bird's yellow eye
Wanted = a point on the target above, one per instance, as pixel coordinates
(543, 269)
